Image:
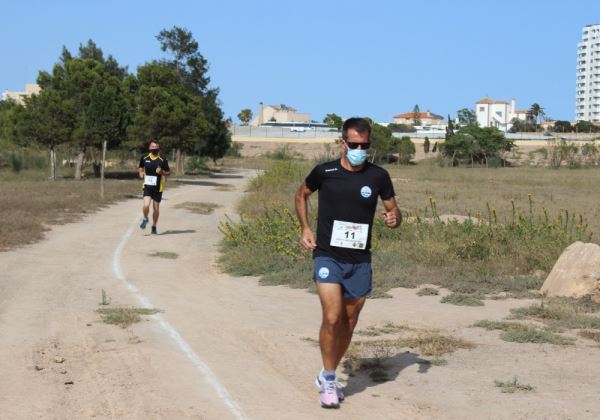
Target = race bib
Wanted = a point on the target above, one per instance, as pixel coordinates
(150, 180)
(349, 235)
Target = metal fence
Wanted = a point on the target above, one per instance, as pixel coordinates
(283, 132)
(512, 136)
(308, 133)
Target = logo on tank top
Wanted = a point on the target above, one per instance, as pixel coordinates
(365, 192)
(323, 272)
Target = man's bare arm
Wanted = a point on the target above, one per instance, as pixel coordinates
(392, 216)
(161, 171)
(307, 239)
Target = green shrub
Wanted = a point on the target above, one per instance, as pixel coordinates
(276, 231)
(521, 333)
(16, 162)
(283, 153)
(406, 150)
(235, 150)
(401, 128)
(461, 299)
(22, 159)
(195, 164)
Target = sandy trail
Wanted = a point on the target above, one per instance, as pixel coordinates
(225, 347)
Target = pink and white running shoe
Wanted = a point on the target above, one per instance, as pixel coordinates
(338, 387)
(328, 395)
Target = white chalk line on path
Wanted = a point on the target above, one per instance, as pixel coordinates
(209, 376)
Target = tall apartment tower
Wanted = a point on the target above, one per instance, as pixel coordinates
(587, 105)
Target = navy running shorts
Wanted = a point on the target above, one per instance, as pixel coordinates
(355, 279)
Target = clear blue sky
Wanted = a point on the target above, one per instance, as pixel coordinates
(372, 58)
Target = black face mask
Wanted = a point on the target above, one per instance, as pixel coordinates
(155, 151)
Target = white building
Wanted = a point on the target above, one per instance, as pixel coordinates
(278, 113)
(587, 102)
(499, 114)
(30, 89)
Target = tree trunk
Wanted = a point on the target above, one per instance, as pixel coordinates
(95, 164)
(79, 164)
(102, 165)
(52, 164)
(177, 162)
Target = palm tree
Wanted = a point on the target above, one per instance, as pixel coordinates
(537, 111)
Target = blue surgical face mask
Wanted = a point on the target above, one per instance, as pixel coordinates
(356, 157)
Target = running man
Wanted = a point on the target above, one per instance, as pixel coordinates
(348, 191)
(153, 169)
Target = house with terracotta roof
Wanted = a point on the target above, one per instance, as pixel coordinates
(498, 113)
(427, 118)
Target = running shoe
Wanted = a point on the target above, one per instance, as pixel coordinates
(153, 232)
(338, 387)
(328, 395)
(144, 223)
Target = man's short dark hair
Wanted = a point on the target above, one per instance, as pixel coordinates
(361, 125)
(153, 141)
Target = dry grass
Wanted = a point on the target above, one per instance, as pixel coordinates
(30, 207)
(498, 325)
(513, 386)
(124, 317)
(428, 291)
(381, 354)
(197, 207)
(460, 190)
(562, 313)
(370, 354)
(520, 333)
(463, 190)
(387, 328)
(534, 335)
(462, 299)
(435, 344)
(165, 254)
(590, 335)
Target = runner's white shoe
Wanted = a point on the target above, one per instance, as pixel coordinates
(338, 387)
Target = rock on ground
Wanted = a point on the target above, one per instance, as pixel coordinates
(576, 273)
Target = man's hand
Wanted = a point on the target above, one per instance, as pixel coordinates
(390, 218)
(307, 240)
(158, 171)
(141, 174)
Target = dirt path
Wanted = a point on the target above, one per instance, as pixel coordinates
(224, 347)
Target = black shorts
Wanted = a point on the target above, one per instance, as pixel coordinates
(153, 193)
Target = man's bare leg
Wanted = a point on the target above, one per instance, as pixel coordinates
(330, 295)
(155, 212)
(340, 317)
(350, 312)
(146, 207)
